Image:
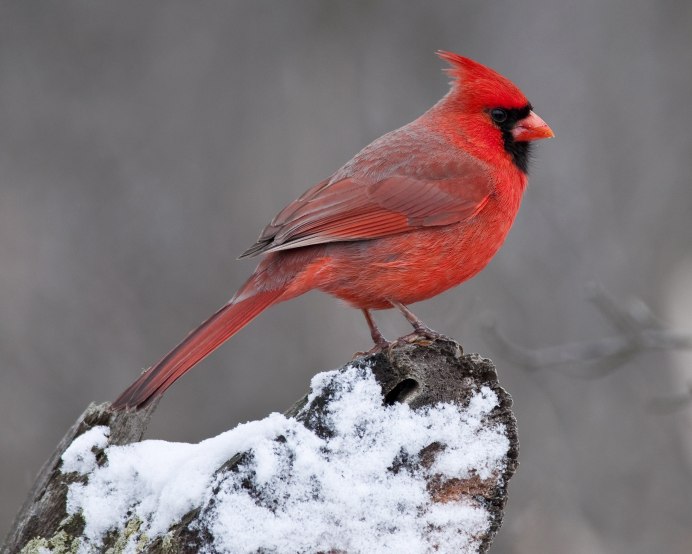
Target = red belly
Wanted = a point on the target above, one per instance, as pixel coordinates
(409, 267)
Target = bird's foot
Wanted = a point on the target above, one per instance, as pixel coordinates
(422, 335)
(381, 345)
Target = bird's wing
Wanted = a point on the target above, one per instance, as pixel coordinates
(358, 208)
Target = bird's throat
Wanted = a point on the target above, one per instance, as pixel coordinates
(520, 152)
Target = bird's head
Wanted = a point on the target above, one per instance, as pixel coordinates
(491, 110)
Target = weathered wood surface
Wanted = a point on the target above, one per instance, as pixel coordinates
(419, 374)
(43, 513)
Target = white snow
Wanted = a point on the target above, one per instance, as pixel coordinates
(79, 456)
(309, 493)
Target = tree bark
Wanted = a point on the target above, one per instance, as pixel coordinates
(421, 374)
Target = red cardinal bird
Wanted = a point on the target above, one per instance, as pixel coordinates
(418, 211)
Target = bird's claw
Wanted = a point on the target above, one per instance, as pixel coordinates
(423, 336)
(380, 346)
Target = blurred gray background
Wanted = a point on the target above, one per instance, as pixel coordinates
(143, 145)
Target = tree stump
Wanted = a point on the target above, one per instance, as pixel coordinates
(414, 444)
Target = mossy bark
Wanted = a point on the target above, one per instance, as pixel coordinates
(419, 374)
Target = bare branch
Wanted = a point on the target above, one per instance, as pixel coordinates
(671, 404)
(639, 331)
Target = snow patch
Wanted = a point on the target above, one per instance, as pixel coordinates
(307, 492)
(79, 457)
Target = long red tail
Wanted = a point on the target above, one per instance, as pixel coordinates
(201, 342)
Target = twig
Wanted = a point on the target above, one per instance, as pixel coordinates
(639, 331)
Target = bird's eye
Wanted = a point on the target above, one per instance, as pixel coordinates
(499, 115)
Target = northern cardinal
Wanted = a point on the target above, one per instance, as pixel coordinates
(421, 209)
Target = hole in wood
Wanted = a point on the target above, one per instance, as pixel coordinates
(401, 392)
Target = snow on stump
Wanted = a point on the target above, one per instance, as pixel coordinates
(405, 451)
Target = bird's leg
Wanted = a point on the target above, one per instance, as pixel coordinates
(421, 330)
(380, 342)
(418, 325)
(377, 337)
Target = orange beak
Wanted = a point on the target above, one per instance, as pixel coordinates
(531, 128)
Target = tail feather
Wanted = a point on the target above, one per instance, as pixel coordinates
(201, 342)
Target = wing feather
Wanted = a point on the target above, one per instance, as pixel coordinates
(360, 208)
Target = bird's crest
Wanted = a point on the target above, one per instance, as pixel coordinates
(480, 84)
